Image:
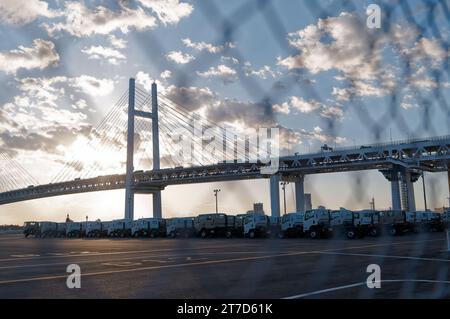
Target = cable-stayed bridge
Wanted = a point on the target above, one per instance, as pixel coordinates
(127, 126)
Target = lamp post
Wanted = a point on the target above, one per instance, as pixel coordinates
(217, 203)
(283, 187)
(424, 191)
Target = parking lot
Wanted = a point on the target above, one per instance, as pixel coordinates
(412, 266)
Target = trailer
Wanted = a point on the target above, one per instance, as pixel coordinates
(74, 230)
(317, 223)
(214, 225)
(292, 225)
(180, 227)
(120, 228)
(148, 227)
(397, 222)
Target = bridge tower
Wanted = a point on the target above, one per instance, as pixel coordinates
(402, 187)
(129, 179)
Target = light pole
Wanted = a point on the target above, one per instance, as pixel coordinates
(217, 204)
(283, 187)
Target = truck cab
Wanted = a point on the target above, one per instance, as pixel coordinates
(212, 225)
(430, 221)
(149, 227)
(357, 224)
(93, 229)
(180, 227)
(292, 225)
(398, 222)
(120, 228)
(31, 229)
(74, 229)
(256, 225)
(317, 223)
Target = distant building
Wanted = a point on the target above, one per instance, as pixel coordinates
(258, 208)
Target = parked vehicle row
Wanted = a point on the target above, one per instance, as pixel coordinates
(315, 223)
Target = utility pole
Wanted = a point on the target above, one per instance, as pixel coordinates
(283, 187)
(217, 203)
(424, 191)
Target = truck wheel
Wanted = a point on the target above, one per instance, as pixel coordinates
(373, 232)
(280, 235)
(251, 234)
(313, 234)
(152, 234)
(172, 234)
(393, 231)
(228, 234)
(350, 234)
(203, 234)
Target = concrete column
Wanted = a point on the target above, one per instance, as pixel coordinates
(129, 194)
(410, 198)
(300, 194)
(395, 191)
(157, 208)
(275, 195)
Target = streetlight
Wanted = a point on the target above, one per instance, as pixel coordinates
(215, 194)
(283, 187)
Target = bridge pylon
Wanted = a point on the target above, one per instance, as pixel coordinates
(129, 179)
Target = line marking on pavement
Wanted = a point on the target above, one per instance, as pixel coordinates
(318, 292)
(381, 256)
(118, 253)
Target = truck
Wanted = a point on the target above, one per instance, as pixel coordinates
(180, 227)
(430, 221)
(317, 223)
(255, 225)
(149, 227)
(356, 224)
(31, 229)
(292, 225)
(398, 222)
(61, 230)
(120, 228)
(74, 229)
(214, 225)
(94, 229)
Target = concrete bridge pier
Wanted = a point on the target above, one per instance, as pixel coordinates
(300, 193)
(408, 197)
(275, 195)
(392, 176)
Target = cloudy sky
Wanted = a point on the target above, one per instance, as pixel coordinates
(314, 70)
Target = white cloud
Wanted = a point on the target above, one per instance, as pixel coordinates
(302, 105)
(282, 108)
(264, 72)
(92, 86)
(227, 74)
(165, 74)
(168, 11)
(24, 11)
(116, 42)
(81, 21)
(200, 46)
(41, 55)
(179, 57)
(104, 53)
(332, 112)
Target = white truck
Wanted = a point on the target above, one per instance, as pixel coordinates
(356, 224)
(180, 227)
(74, 229)
(120, 228)
(398, 222)
(257, 225)
(430, 221)
(317, 223)
(292, 225)
(149, 227)
(48, 229)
